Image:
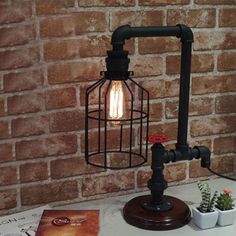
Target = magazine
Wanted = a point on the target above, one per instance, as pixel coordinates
(21, 224)
(69, 223)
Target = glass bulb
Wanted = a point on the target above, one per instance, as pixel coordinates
(116, 105)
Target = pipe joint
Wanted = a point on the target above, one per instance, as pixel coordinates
(119, 36)
(186, 33)
(205, 155)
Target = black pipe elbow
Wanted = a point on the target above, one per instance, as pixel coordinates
(205, 155)
(186, 33)
(119, 36)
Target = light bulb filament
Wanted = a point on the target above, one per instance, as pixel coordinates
(116, 108)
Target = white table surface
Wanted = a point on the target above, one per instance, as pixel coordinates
(113, 224)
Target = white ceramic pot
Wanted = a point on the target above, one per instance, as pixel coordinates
(204, 220)
(226, 217)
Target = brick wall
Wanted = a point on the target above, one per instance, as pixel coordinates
(51, 50)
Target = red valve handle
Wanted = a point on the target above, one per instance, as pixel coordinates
(155, 138)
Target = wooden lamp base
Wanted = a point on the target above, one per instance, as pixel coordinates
(135, 214)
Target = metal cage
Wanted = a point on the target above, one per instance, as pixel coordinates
(116, 143)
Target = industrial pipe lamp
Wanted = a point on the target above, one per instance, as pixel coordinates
(117, 111)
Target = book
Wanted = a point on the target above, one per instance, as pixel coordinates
(69, 223)
(21, 224)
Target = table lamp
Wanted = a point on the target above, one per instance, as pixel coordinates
(116, 129)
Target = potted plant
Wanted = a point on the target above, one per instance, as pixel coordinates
(205, 216)
(225, 207)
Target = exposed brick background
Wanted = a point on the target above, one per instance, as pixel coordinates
(50, 51)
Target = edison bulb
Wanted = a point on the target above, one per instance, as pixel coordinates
(117, 102)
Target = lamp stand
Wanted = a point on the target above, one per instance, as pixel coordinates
(135, 214)
(157, 211)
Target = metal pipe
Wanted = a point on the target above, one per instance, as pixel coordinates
(185, 34)
(126, 32)
(184, 97)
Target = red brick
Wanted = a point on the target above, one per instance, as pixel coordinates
(8, 199)
(20, 35)
(28, 80)
(175, 172)
(4, 130)
(93, 97)
(63, 144)
(137, 18)
(31, 172)
(4, 3)
(59, 98)
(1, 83)
(74, 166)
(52, 192)
(197, 106)
(226, 61)
(57, 145)
(200, 63)
(6, 152)
(18, 58)
(112, 141)
(234, 145)
(2, 107)
(143, 176)
(53, 6)
(99, 44)
(169, 129)
(158, 45)
(17, 12)
(147, 66)
(20, 104)
(8, 175)
(29, 126)
(74, 71)
(58, 50)
(227, 17)
(228, 166)
(213, 84)
(73, 24)
(224, 145)
(66, 121)
(226, 104)
(195, 169)
(162, 2)
(172, 172)
(213, 39)
(199, 18)
(86, 47)
(215, 125)
(169, 88)
(202, 142)
(121, 160)
(107, 183)
(106, 3)
(30, 149)
(14, 82)
(210, 2)
(155, 111)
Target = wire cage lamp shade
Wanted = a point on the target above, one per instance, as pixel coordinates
(116, 122)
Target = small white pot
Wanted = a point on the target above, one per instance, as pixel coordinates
(204, 220)
(226, 217)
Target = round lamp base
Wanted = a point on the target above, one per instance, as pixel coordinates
(176, 217)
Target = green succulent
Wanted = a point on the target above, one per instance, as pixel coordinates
(224, 201)
(207, 202)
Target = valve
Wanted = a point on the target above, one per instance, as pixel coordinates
(157, 138)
